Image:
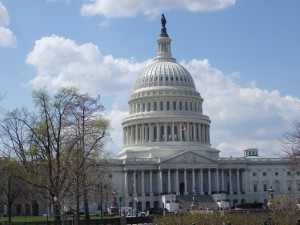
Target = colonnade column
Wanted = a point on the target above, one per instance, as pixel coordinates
(217, 181)
(209, 182)
(150, 133)
(131, 134)
(160, 181)
(165, 132)
(230, 182)
(172, 132)
(157, 132)
(143, 133)
(185, 183)
(193, 179)
(180, 131)
(150, 178)
(201, 181)
(126, 183)
(169, 181)
(238, 181)
(143, 185)
(134, 182)
(223, 182)
(177, 183)
(187, 132)
(194, 132)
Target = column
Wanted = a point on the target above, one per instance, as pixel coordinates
(125, 183)
(217, 181)
(201, 181)
(203, 133)
(209, 182)
(223, 181)
(185, 183)
(187, 132)
(134, 182)
(160, 181)
(238, 181)
(230, 182)
(143, 133)
(180, 131)
(136, 134)
(158, 132)
(150, 133)
(193, 179)
(165, 132)
(195, 132)
(150, 178)
(143, 183)
(199, 132)
(208, 134)
(131, 133)
(169, 181)
(172, 131)
(177, 183)
(147, 133)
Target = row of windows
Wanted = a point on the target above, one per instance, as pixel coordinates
(165, 105)
(166, 92)
(266, 187)
(276, 173)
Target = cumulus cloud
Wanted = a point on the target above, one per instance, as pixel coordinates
(242, 116)
(7, 38)
(116, 8)
(62, 62)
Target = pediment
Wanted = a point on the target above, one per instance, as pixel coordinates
(189, 157)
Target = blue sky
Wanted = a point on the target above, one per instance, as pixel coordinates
(244, 57)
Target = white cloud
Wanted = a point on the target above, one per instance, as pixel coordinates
(7, 38)
(116, 8)
(242, 117)
(62, 62)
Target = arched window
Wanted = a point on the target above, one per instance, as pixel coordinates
(154, 106)
(161, 105)
(180, 105)
(168, 105)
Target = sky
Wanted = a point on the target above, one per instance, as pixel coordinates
(244, 57)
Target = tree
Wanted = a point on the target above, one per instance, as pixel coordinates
(10, 185)
(291, 145)
(46, 140)
(90, 131)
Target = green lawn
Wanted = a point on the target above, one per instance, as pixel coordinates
(37, 218)
(28, 218)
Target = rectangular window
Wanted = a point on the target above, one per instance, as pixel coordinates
(255, 187)
(265, 187)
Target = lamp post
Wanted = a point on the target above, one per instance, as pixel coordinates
(271, 197)
(101, 187)
(56, 211)
(195, 201)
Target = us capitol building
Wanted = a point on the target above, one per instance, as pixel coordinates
(167, 155)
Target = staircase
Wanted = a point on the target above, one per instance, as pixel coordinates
(204, 202)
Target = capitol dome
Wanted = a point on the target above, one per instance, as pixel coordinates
(165, 111)
(165, 73)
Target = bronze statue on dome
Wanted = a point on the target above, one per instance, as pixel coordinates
(163, 20)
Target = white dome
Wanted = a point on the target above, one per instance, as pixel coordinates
(165, 73)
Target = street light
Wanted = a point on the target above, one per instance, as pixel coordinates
(56, 210)
(271, 197)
